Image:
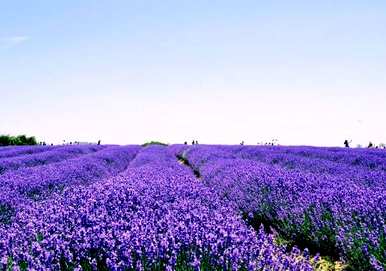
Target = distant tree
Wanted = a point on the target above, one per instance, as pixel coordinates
(154, 143)
(22, 139)
(31, 140)
(6, 140)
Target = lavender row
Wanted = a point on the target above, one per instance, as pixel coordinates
(22, 186)
(362, 159)
(7, 148)
(14, 147)
(330, 214)
(280, 156)
(23, 150)
(358, 158)
(374, 151)
(371, 178)
(154, 216)
(46, 157)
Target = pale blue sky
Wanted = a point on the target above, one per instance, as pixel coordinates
(305, 72)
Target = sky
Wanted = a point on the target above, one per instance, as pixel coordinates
(122, 71)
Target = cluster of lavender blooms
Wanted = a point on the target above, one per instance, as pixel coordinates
(52, 155)
(322, 207)
(21, 187)
(11, 151)
(155, 215)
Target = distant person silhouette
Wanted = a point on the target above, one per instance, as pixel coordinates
(346, 144)
(196, 142)
(185, 143)
(193, 142)
(99, 142)
(370, 145)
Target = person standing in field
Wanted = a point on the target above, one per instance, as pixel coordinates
(346, 144)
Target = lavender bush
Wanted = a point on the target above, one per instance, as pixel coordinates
(46, 157)
(154, 216)
(329, 212)
(218, 208)
(23, 150)
(31, 184)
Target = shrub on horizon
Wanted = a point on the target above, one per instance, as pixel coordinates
(154, 143)
(6, 140)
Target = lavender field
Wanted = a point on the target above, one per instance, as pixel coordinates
(199, 207)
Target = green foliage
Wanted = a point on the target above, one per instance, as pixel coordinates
(23, 265)
(379, 252)
(39, 237)
(10, 264)
(6, 140)
(183, 262)
(154, 143)
(358, 254)
(6, 213)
